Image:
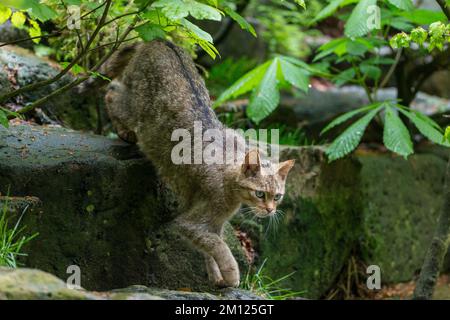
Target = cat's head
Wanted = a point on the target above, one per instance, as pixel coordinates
(262, 183)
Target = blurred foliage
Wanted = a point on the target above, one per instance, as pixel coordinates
(353, 58)
(285, 26)
(222, 75)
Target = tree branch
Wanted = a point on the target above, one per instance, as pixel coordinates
(78, 81)
(44, 83)
(55, 34)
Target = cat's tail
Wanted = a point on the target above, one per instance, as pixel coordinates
(110, 69)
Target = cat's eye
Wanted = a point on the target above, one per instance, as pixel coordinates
(259, 194)
(277, 196)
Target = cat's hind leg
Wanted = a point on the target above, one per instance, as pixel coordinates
(117, 109)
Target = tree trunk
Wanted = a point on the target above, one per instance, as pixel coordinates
(438, 248)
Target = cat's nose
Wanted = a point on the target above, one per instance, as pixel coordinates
(270, 210)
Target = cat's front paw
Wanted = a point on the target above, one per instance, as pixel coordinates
(231, 278)
(223, 284)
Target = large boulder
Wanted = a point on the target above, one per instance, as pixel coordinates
(101, 206)
(403, 200)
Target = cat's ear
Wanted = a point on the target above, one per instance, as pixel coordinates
(284, 167)
(252, 163)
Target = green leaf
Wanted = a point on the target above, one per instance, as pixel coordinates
(328, 10)
(34, 30)
(301, 3)
(240, 20)
(266, 96)
(5, 13)
(296, 76)
(350, 138)
(401, 24)
(348, 115)
(337, 46)
(423, 16)
(380, 60)
(96, 74)
(18, 19)
(358, 24)
(76, 69)
(150, 31)
(344, 77)
(196, 30)
(425, 125)
(172, 9)
(447, 134)
(247, 82)
(402, 4)
(311, 69)
(3, 119)
(356, 48)
(208, 47)
(178, 9)
(39, 11)
(371, 71)
(396, 136)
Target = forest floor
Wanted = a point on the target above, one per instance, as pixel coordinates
(405, 290)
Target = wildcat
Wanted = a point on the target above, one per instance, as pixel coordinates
(156, 90)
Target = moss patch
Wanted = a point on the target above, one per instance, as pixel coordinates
(403, 199)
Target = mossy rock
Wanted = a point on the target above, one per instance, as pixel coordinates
(379, 208)
(99, 205)
(403, 199)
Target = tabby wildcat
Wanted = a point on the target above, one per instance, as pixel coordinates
(156, 90)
